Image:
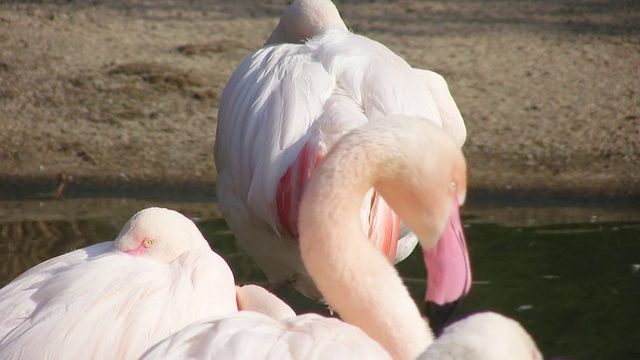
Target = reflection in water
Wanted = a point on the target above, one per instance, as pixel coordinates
(575, 287)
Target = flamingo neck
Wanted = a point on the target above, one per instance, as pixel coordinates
(353, 276)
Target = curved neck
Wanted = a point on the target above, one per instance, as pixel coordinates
(353, 276)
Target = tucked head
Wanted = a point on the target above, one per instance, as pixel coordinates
(484, 336)
(304, 19)
(160, 234)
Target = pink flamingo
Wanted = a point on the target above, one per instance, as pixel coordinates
(115, 299)
(285, 107)
(422, 175)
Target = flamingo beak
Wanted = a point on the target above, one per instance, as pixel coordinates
(448, 273)
(439, 315)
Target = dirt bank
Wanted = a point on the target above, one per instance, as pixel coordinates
(124, 94)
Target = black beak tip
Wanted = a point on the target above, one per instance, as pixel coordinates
(439, 315)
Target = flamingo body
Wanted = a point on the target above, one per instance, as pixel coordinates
(281, 112)
(116, 299)
(251, 335)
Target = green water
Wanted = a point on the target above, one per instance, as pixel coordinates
(575, 288)
(570, 276)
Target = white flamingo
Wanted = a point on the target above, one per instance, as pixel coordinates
(115, 299)
(484, 336)
(251, 335)
(282, 111)
(422, 175)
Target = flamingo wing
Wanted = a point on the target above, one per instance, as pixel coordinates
(15, 298)
(258, 299)
(266, 111)
(452, 121)
(111, 303)
(251, 335)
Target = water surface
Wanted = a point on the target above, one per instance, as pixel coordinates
(570, 275)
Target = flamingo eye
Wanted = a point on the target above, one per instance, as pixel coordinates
(147, 243)
(454, 185)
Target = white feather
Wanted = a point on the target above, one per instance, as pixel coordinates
(99, 302)
(284, 97)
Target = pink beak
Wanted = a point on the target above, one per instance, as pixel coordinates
(448, 272)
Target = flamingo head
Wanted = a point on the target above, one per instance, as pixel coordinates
(428, 200)
(304, 19)
(487, 335)
(160, 234)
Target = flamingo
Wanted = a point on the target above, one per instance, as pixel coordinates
(284, 108)
(422, 174)
(484, 336)
(115, 299)
(252, 335)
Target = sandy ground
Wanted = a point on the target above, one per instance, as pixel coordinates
(124, 94)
